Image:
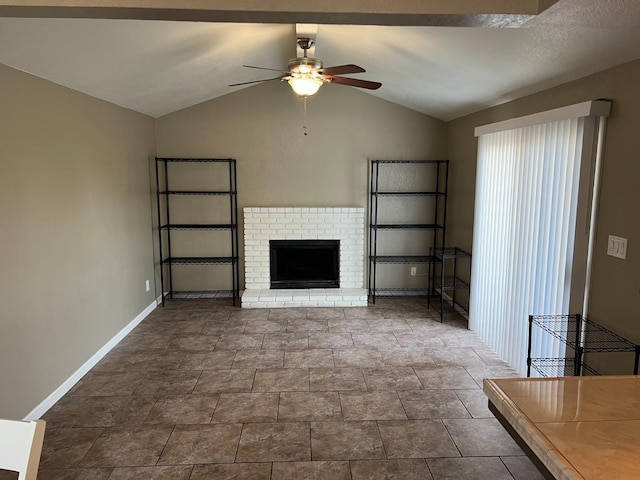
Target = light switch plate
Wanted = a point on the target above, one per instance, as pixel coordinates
(617, 247)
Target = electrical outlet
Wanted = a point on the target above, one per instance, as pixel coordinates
(414, 271)
(147, 285)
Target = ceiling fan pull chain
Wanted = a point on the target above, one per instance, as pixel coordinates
(304, 121)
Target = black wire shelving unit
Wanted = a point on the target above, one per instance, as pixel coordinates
(580, 335)
(439, 177)
(441, 284)
(166, 227)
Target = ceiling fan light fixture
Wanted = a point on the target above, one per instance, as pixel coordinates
(305, 85)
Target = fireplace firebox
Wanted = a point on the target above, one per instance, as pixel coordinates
(305, 263)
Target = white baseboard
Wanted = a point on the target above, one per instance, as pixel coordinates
(59, 392)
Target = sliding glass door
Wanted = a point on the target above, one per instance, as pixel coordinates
(531, 231)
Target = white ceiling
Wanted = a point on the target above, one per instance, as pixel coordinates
(157, 67)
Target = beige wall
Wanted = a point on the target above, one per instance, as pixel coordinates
(615, 294)
(279, 166)
(75, 237)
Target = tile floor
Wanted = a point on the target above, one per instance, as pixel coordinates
(202, 390)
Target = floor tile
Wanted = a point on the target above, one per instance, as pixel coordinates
(127, 447)
(309, 406)
(308, 358)
(114, 362)
(293, 341)
(282, 380)
(451, 377)
(388, 325)
(480, 372)
(205, 390)
(377, 405)
(307, 325)
(374, 340)
(349, 325)
(487, 355)
(77, 411)
(410, 339)
(138, 341)
(470, 468)
(462, 338)
(362, 313)
(287, 313)
(456, 357)
(330, 340)
(225, 381)
(232, 471)
(177, 326)
(357, 357)
(476, 402)
(193, 444)
(250, 314)
(157, 361)
(406, 357)
(65, 447)
(481, 437)
(390, 470)
(265, 326)
(426, 404)
(193, 343)
(345, 441)
(152, 473)
(217, 327)
(233, 341)
(246, 408)
(335, 379)
(218, 359)
(259, 359)
(416, 439)
(391, 378)
(182, 409)
(325, 313)
(276, 442)
(168, 383)
(109, 384)
(70, 474)
(311, 471)
(521, 468)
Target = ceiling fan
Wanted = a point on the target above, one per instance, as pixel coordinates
(306, 75)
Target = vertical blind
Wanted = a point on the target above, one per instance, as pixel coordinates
(524, 228)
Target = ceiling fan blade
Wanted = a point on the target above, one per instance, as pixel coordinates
(355, 82)
(255, 81)
(341, 70)
(265, 68)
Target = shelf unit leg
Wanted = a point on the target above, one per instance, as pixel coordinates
(529, 346)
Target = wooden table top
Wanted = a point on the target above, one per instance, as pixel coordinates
(578, 427)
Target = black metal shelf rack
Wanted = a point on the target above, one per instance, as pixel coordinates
(438, 176)
(582, 336)
(440, 283)
(164, 193)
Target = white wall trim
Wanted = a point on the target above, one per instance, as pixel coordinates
(594, 108)
(59, 392)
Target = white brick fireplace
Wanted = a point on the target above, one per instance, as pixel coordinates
(262, 224)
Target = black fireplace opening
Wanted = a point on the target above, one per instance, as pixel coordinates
(305, 263)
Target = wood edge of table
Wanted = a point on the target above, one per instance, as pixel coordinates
(547, 459)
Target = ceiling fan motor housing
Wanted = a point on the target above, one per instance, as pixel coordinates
(303, 65)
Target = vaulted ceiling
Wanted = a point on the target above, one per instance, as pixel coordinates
(160, 66)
